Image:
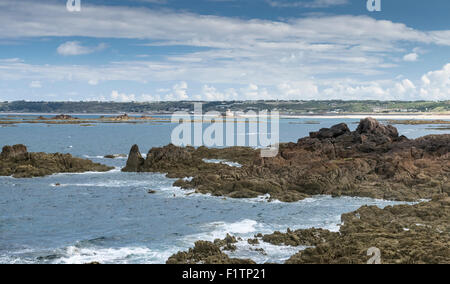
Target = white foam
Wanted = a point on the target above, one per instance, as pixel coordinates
(14, 257)
(245, 229)
(109, 183)
(219, 230)
(272, 253)
(93, 157)
(225, 162)
(175, 191)
(116, 157)
(13, 260)
(115, 170)
(76, 255)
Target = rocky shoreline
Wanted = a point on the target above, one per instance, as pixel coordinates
(403, 234)
(372, 161)
(17, 162)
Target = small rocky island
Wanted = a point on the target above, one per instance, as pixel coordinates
(372, 161)
(17, 162)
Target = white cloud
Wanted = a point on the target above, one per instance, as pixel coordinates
(242, 51)
(411, 57)
(75, 48)
(199, 30)
(149, 98)
(210, 93)
(307, 4)
(93, 82)
(122, 97)
(178, 92)
(436, 84)
(35, 84)
(255, 92)
(298, 90)
(258, 58)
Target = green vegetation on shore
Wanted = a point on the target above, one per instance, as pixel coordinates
(289, 107)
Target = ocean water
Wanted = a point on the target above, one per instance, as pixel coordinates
(111, 218)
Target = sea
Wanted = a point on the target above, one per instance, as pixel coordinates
(111, 218)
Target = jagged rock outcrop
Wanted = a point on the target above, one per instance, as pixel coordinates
(403, 234)
(205, 253)
(16, 161)
(135, 160)
(227, 243)
(18, 152)
(333, 132)
(372, 161)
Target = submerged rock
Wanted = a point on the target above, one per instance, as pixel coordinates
(372, 161)
(16, 161)
(115, 156)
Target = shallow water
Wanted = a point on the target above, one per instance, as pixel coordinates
(111, 218)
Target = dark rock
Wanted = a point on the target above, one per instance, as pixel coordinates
(333, 132)
(308, 237)
(115, 156)
(63, 117)
(135, 160)
(227, 243)
(17, 162)
(18, 152)
(261, 251)
(372, 161)
(205, 253)
(373, 127)
(404, 234)
(253, 241)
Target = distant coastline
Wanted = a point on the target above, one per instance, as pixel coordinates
(334, 108)
(401, 116)
(376, 116)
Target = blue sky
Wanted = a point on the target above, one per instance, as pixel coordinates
(157, 50)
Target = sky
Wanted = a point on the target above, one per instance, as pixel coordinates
(169, 50)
